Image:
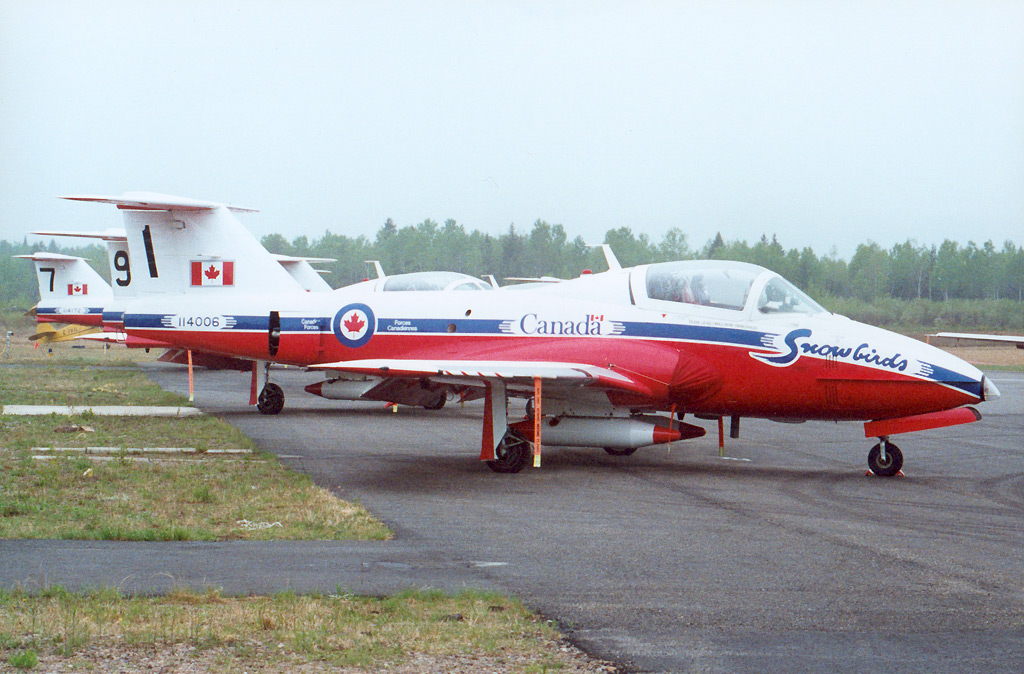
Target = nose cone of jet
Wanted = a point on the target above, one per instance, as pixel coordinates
(988, 389)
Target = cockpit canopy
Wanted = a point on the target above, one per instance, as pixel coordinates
(432, 280)
(779, 296)
(726, 285)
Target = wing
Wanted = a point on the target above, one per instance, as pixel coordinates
(973, 339)
(478, 372)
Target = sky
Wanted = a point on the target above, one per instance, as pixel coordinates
(825, 123)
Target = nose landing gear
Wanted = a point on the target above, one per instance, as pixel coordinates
(885, 459)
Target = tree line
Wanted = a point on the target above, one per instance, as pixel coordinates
(906, 271)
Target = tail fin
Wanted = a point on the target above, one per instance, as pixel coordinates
(117, 256)
(181, 245)
(300, 268)
(70, 291)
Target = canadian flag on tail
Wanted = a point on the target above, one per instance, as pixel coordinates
(217, 273)
(78, 289)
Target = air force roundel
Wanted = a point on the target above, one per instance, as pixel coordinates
(354, 324)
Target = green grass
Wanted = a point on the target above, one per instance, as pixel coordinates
(201, 432)
(285, 631)
(53, 384)
(204, 498)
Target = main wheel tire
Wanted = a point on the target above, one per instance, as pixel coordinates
(511, 455)
(271, 400)
(529, 408)
(621, 451)
(438, 403)
(893, 460)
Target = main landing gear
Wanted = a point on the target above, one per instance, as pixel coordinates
(271, 399)
(512, 453)
(885, 459)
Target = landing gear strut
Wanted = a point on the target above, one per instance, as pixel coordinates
(271, 400)
(511, 455)
(885, 459)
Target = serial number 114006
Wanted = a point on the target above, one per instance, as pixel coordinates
(198, 322)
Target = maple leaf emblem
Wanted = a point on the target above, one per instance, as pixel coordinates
(212, 272)
(353, 323)
(78, 289)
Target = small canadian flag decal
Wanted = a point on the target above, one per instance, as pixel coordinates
(216, 273)
(78, 289)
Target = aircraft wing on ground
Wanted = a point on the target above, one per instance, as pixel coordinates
(47, 334)
(974, 339)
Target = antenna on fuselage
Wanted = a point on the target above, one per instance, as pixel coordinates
(609, 256)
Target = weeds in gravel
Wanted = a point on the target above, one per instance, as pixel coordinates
(339, 629)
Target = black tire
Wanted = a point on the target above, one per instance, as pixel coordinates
(621, 451)
(893, 460)
(529, 408)
(271, 400)
(511, 455)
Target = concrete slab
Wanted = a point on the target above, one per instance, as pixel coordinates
(101, 410)
(142, 450)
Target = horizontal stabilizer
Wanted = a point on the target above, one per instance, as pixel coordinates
(292, 259)
(106, 235)
(49, 257)
(151, 201)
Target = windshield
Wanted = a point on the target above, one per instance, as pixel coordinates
(433, 280)
(782, 297)
(724, 286)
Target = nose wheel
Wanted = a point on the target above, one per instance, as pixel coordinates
(885, 459)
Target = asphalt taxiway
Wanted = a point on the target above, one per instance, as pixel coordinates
(782, 558)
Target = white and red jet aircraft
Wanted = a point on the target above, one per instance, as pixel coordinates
(604, 356)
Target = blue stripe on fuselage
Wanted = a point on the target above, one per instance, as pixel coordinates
(69, 311)
(954, 379)
(697, 333)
